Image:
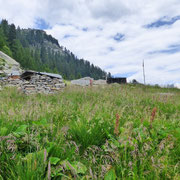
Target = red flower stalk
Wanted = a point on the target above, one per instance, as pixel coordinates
(116, 128)
(153, 114)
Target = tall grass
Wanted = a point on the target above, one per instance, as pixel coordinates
(109, 132)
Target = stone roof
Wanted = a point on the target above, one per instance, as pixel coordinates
(29, 73)
(51, 75)
(14, 73)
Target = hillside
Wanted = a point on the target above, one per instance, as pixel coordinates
(36, 50)
(109, 132)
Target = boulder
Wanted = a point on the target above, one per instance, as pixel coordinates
(99, 82)
(86, 81)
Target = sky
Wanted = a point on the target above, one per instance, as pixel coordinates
(116, 35)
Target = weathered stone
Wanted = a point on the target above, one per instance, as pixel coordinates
(99, 82)
(62, 85)
(83, 81)
(8, 65)
(36, 84)
(29, 86)
(55, 89)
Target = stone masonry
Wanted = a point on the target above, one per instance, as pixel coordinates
(37, 84)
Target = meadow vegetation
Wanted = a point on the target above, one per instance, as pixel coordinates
(109, 132)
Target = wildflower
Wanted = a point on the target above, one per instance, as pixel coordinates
(49, 171)
(116, 129)
(153, 115)
(45, 155)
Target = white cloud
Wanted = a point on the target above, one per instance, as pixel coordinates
(177, 85)
(101, 21)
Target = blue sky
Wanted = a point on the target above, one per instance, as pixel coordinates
(42, 24)
(113, 34)
(164, 21)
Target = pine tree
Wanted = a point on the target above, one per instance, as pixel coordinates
(5, 27)
(2, 39)
(12, 35)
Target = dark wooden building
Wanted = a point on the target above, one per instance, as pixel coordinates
(117, 80)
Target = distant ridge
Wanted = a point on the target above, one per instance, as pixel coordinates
(36, 50)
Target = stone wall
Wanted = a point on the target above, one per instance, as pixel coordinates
(36, 84)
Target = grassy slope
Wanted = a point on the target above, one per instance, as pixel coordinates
(71, 134)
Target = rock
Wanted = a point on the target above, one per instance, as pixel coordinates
(8, 65)
(82, 82)
(99, 82)
(86, 81)
(62, 85)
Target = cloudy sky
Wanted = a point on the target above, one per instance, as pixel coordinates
(113, 34)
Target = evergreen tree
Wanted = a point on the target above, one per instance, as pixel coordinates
(12, 34)
(5, 27)
(2, 39)
(36, 50)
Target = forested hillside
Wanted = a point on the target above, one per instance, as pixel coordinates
(36, 50)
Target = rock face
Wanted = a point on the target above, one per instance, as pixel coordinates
(8, 65)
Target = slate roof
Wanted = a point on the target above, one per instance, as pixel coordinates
(14, 73)
(51, 75)
(29, 73)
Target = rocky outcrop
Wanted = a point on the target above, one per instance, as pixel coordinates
(8, 65)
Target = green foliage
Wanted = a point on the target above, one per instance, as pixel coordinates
(54, 160)
(70, 135)
(110, 175)
(12, 34)
(6, 50)
(2, 39)
(3, 131)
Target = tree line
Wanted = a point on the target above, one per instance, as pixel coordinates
(36, 50)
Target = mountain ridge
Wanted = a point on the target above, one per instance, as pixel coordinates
(35, 49)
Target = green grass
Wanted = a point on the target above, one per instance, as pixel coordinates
(71, 134)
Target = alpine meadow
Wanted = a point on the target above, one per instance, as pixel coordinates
(89, 90)
(110, 132)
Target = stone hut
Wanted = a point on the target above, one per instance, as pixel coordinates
(41, 82)
(31, 82)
